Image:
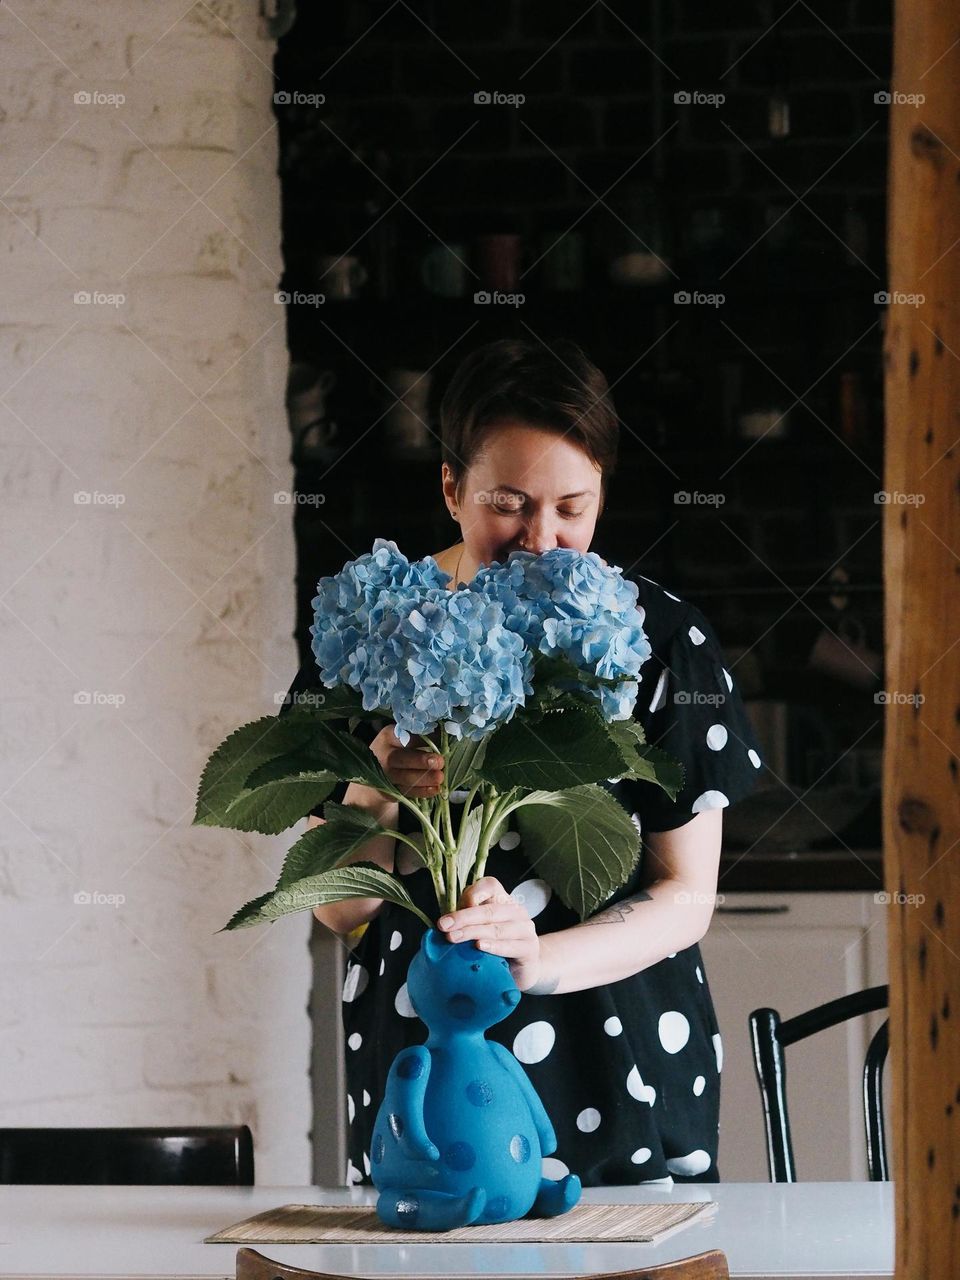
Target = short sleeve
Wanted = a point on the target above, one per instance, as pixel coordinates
(690, 707)
(308, 678)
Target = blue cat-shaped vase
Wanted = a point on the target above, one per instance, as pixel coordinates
(461, 1130)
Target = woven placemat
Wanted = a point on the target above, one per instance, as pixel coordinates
(359, 1224)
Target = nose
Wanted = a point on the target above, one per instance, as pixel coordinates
(537, 536)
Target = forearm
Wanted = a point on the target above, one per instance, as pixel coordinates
(349, 914)
(623, 939)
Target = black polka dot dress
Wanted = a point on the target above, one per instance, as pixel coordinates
(629, 1073)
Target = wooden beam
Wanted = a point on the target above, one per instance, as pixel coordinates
(921, 821)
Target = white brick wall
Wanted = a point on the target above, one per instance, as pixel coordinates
(180, 600)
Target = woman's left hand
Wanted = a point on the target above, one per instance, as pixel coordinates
(498, 923)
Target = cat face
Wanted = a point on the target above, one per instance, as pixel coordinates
(454, 986)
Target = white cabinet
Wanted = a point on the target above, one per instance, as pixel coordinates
(791, 952)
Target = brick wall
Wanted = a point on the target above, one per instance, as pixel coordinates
(147, 573)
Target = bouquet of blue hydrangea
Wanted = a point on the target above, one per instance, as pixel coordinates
(524, 681)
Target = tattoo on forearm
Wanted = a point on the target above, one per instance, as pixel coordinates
(544, 988)
(617, 913)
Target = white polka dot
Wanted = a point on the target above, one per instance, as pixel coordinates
(718, 1050)
(641, 1155)
(635, 819)
(533, 1042)
(353, 1173)
(648, 1182)
(355, 982)
(356, 1040)
(699, 974)
(532, 895)
(366, 1163)
(403, 1004)
(690, 1165)
(351, 1109)
(637, 1089)
(671, 955)
(709, 800)
(407, 861)
(383, 965)
(699, 1085)
(717, 737)
(588, 1120)
(754, 758)
(396, 938)
(728, 677)
(696, 635)
(553, 1169)
(659, 698)
(509, 841)
(459, 796)
(613, 1026)
(366, 1098)
(674, 1031)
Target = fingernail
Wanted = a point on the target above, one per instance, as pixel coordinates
(435, 762)
(446, 922)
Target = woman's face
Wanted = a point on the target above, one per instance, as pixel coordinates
(528, 489)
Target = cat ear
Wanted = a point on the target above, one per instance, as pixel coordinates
(434, 945)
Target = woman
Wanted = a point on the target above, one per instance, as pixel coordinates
(616, 1029)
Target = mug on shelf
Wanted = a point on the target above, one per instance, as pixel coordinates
(845, 655)
(443, 270)
(342, 276)
(408, 427)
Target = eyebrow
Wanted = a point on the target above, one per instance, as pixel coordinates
(508, 488)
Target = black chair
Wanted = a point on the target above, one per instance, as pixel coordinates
(198, 1156)
(770, 1037)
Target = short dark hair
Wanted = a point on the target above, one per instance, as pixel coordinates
(556, 388)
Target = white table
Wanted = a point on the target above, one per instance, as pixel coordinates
(805, 1229)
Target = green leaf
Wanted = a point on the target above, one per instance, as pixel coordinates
(565, 748)
(581, 841)
(650, 764)
(359, 880)
(469, 842)
(464, 758)
(345, 828)
(225, 774)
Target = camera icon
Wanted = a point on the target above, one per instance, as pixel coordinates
(82, 98)
(82, 298)
(882, 899)
(82, 898)
(282, 497)
(682, 298)
(482, 98)
(81, 498)
(682, 497)
(281, 297)
(882, 496)
(882, 299)
(881, 698)
(682, 97)
(883, 98)
(282, 98)
(482, 298)
(682, 698)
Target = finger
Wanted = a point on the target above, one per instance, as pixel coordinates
(494, 920)
(486, 889)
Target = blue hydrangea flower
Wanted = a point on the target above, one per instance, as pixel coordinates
(392, 631)
(568, 602)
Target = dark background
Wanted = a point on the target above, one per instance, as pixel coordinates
(787, 224)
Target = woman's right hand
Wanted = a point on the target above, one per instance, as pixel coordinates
(408, 767)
